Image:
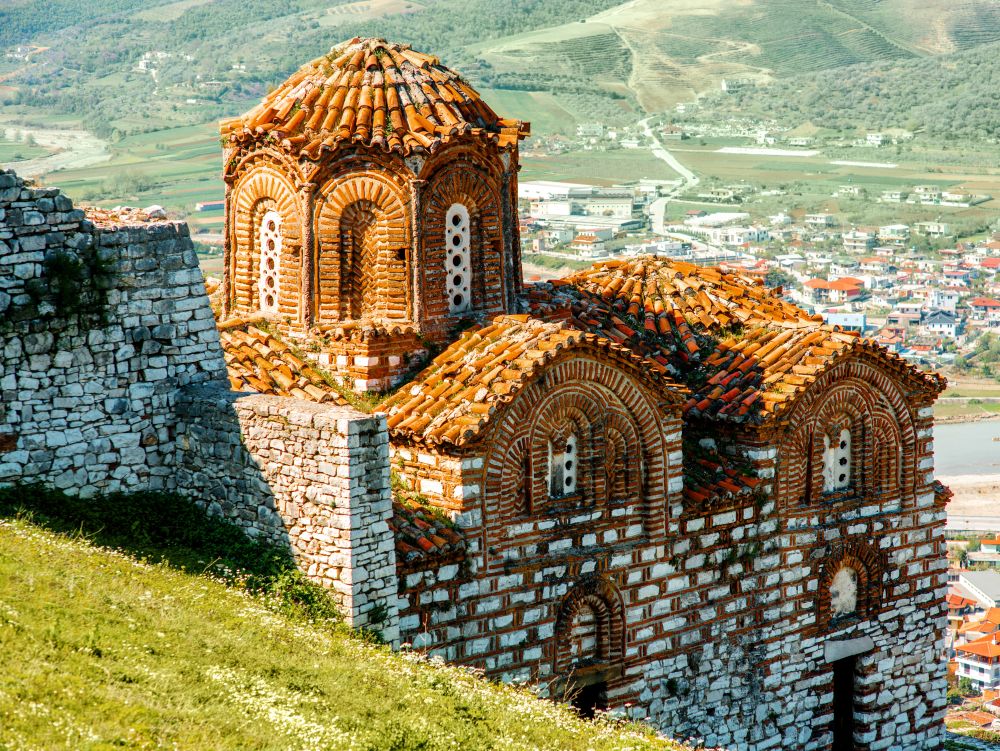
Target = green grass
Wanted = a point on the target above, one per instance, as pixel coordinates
(101, 650)
(597, 166)
(540, 108)
(174, 167)
(966, 410)
(11, 151)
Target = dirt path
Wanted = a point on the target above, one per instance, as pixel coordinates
(73, 149)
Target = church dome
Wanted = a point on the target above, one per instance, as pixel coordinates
(377, 94)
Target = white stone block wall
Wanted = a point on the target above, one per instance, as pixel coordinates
(93, 404)
(86, 403)
(311, 478)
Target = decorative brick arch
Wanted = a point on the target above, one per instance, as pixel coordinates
(861, 386)
(623, 461)
(466, 183)
(263, 187)
(363, 247)
(888, 457)
(568, 410)
(847, 405)
(870, 569)
(598, 594)
(612, 396)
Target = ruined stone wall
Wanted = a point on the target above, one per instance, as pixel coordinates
(310, 478)
(100, 325)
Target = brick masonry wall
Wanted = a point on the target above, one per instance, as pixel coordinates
(313, 479)
(727, 632)
(87, 404)
(510, 607)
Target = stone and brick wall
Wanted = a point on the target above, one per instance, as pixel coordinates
(726, 631)
(303, 476)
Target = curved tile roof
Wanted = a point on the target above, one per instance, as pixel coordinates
(453, 399)
(258, 361)
(377, 94)
(743, 351)
(424, 536)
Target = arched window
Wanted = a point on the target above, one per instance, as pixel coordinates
(458, 261)
(269, 239)
(563, 467)
(837, 461)
(588, 640)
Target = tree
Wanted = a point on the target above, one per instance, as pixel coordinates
(779, 278)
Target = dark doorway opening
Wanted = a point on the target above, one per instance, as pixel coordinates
(590, 699)
(843, 703)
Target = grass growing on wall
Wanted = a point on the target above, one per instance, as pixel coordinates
(100, 649)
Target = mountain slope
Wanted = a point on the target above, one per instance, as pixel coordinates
(129, 66)
(949, 97)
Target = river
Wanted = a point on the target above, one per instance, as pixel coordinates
(73, 148)
(967, 448)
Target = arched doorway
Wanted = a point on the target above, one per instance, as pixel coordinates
(589, 634)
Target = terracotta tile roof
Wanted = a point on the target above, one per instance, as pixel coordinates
(453, 399)
(743, 351)
(375, 93)
(422, 535)
(711, 477)
(259, 361)
(976, 718)
(984, 302)
(985, 646)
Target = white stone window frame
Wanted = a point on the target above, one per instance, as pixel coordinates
(564, 463)
(269, 241)
(458, 259)
(837, 461)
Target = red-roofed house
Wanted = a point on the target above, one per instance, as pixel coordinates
(979, 661)
(991, 264)
(985, 309)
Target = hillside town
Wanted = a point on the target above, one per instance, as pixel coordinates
(912, 287)
(973, 636)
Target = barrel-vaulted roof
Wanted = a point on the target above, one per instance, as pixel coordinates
(377, 94)
(454, 399)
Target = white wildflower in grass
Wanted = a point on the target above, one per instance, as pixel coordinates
(277, 707)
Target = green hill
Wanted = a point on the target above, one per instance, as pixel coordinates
(947, 97)
(101, 650)
(130, 66)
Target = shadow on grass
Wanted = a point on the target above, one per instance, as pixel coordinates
(171, 530)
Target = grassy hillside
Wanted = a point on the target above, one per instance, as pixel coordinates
(949, 97)
(100, 649)
(127, 66)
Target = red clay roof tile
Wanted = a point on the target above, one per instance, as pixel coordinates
(375, 93)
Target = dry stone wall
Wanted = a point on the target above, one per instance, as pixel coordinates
(113, 379)
(90, 362)
(307, 477)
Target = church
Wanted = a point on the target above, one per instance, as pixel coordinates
(649, 487)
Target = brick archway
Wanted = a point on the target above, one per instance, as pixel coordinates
(466, 183)
(362, 232)
(869, 567)
(598, 595)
